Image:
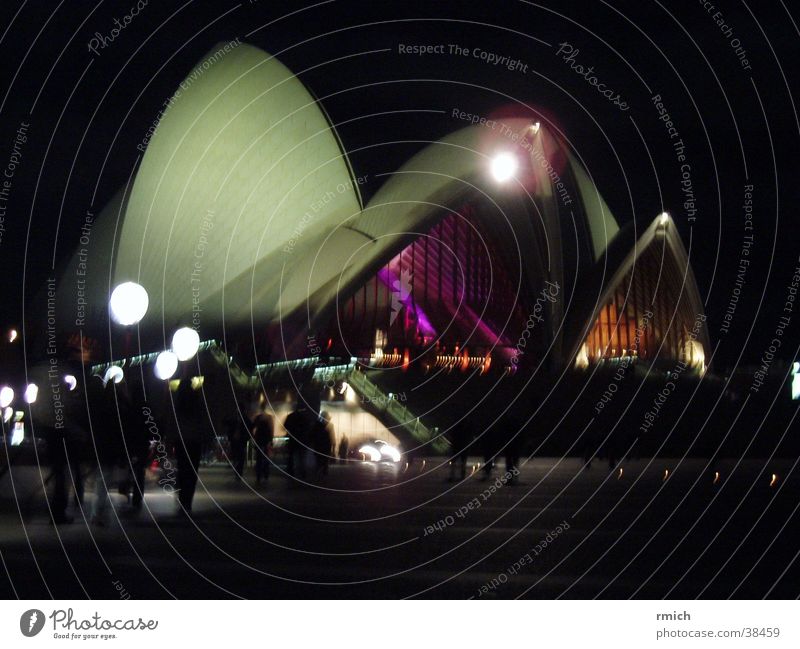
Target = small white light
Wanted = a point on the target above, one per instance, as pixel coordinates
(166, 365)
(663, 219)
(17, 434)
(71, 382)
(185, 343)
(504, 166)
(12, 335)
(128, 303)
(391, 452)
(373, 453)
(113, 373)
(535, 127)
(8, 413)
(6, 396)
(31, 392)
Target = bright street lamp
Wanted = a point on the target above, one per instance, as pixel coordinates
(113, 373)
(166, 365)
(504, 166)
(128, 303)
(31, 392)
(185, 343)
(6, 396)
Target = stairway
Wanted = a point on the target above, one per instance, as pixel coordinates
(239, 376)
(395, 415)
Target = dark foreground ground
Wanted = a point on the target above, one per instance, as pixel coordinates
(380, 531)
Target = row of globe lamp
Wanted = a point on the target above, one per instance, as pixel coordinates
(127, 306)
(30, 395)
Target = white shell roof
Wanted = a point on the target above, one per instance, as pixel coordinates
(240, 166)
(245, 209)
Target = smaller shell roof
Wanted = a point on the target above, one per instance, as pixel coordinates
(611, 269)
(437, 179)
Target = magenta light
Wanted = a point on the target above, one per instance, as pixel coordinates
(389, 278)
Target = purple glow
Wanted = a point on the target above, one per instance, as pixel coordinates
(496, 340)
(392, 281)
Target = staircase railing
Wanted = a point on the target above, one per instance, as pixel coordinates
(384, 407)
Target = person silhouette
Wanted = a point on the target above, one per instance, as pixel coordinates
(298, 427)
(238, 426)
(323, 440)
(189, 442)
(263, 433)
(491, 442)
(344, 448)
(58, 421)
(139, 425)
(460, 441)
(106, 446)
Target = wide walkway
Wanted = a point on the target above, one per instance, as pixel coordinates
(383, 531)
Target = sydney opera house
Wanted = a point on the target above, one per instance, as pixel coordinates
(488, 256)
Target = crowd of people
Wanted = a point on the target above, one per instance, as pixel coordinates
(311, 441)
(501, 439)
(95, 429)
(100, 429)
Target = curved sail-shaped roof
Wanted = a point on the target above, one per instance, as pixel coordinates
(602, 225)
(445, 174)
(241, 164)
(620, 262)
(85, 280)
(245, 210)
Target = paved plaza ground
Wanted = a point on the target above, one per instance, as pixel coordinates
(390, 531)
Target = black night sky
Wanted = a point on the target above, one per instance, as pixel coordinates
(408, 465)
(88, 112)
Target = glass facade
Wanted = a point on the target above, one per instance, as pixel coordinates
(648, 314)
(446, 291)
